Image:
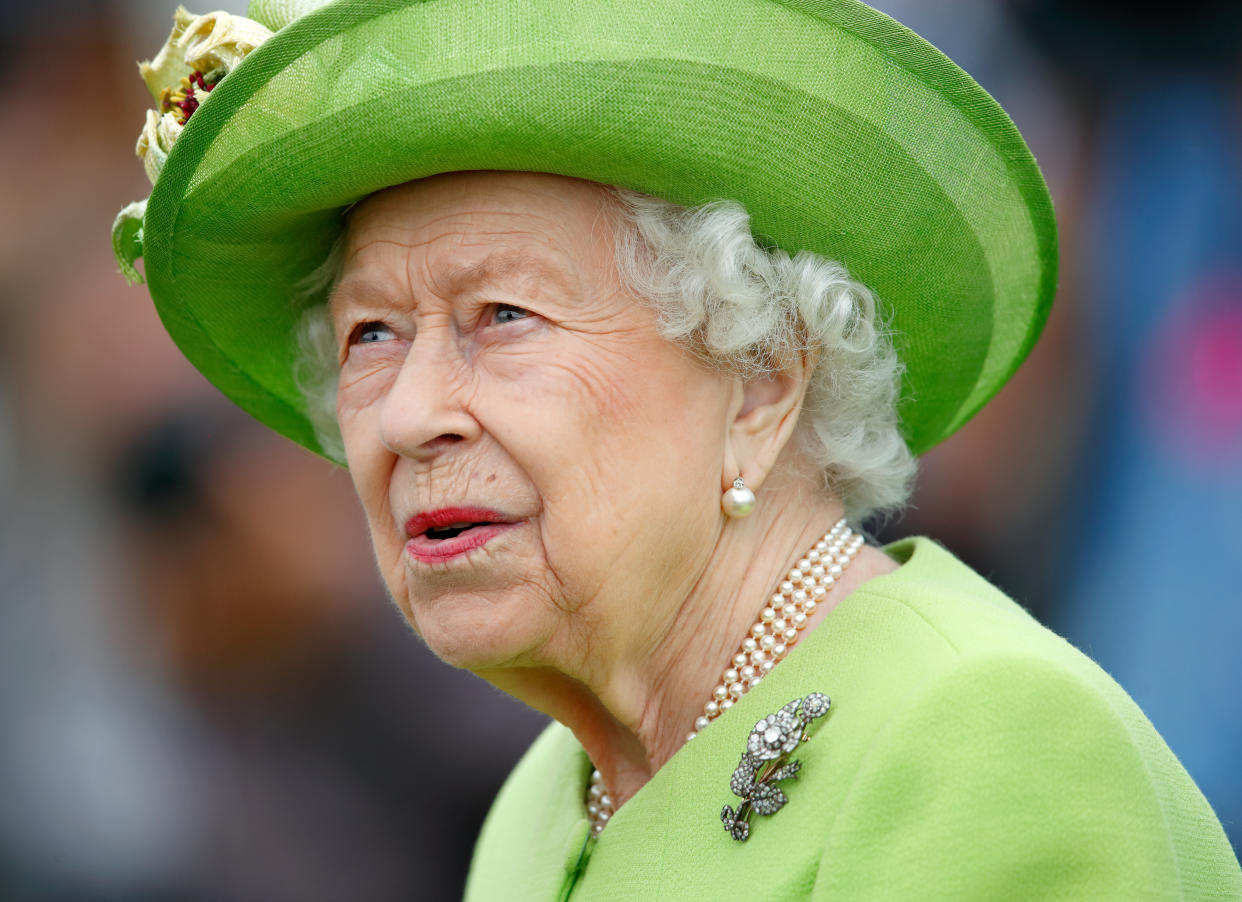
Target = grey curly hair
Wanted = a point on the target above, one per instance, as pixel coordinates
(741, 308)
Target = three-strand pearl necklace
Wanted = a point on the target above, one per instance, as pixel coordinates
(776, 631)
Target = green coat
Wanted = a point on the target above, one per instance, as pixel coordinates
(969, 754)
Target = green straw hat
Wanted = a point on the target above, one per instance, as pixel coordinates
(839, 130)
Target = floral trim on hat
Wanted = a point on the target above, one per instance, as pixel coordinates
(199, 52)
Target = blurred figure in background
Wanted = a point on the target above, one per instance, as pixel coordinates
(321, 771)
(1160, 473)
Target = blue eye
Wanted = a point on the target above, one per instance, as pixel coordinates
(507, 313)
(369, 333)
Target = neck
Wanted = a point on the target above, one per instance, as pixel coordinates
(633, 712)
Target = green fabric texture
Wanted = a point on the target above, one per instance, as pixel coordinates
(839, 130)
(970, 754)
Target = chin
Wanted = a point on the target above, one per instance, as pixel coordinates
(478, 632)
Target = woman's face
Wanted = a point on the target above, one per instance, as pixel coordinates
(539, 468)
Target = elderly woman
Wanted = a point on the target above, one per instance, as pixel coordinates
(498, 259)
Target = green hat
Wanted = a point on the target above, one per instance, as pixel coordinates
(838, 129)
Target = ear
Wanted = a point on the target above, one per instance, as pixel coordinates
(764, 415)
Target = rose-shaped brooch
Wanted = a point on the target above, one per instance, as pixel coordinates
(766, 762)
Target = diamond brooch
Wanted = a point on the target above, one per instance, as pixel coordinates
(766, 762)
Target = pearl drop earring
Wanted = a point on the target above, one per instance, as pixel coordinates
(738, 501)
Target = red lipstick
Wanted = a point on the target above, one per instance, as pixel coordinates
(450, 532)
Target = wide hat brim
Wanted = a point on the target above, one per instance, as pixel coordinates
(839, 130)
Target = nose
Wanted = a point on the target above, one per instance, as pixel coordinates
(425, 411)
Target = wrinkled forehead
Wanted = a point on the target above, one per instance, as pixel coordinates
(457, 231)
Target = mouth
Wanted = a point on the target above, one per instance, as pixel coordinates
(441, 535)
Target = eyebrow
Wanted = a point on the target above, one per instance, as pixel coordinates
(359, 290)
(496, 267)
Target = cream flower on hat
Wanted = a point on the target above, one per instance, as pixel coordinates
(200, 51)
(156, 140)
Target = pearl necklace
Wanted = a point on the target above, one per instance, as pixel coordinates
(776, 631)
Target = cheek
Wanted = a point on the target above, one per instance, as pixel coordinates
(605, 386)
(646, 404)
(562, 414)
(370, 469)
(623, 440)
(368, 375)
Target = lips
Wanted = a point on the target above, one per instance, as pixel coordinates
(449, 532)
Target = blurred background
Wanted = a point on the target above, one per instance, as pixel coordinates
(205, 695)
